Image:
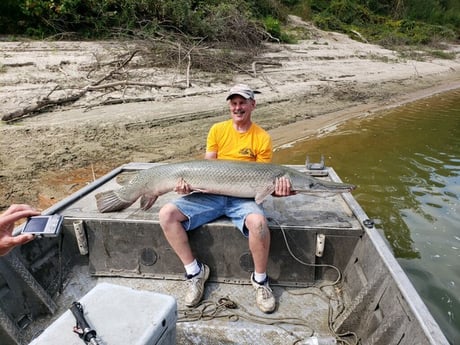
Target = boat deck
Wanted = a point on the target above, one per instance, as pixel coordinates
(227, 315)
(331, 273)
(128, 248)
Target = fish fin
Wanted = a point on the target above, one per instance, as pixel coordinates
(201, 190)
(109, 201)
(125, 177)
(147, 202)
(264, 193)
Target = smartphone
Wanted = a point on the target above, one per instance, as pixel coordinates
(47, 226)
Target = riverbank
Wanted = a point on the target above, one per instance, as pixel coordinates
(306, 89)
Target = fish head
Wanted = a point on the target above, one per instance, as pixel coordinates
(322, 186)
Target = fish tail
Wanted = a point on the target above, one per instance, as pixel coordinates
(109, 201)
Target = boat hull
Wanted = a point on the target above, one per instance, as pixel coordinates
(370, 294)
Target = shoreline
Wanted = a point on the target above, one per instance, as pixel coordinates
(307, 89)
(303, 130)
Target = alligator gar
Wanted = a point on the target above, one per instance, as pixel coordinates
(224, 177)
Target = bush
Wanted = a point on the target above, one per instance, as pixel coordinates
(214, 21)
(272, 26)
(235, 22)
(349, 12)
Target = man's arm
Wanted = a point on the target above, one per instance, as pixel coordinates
(210, 155)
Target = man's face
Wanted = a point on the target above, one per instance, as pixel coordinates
(241, 108)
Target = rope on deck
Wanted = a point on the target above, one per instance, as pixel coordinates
(226, 308)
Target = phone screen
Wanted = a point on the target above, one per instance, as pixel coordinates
(49, 226)
(36, 225)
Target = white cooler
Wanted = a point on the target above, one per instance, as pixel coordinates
(120, 316)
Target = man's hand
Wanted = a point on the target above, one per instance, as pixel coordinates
(7, 220)
(283, 187)
(182, 187)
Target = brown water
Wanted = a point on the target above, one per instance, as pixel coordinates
(406, 163)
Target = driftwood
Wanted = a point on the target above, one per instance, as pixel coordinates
(40, 106)
(112, 101)
(46, 103)
(19, 64)
(130, 83)
(158, 53)
(269, 63)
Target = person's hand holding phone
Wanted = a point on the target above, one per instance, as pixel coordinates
(48, 226)
(7, 220)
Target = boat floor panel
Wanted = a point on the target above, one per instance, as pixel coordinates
(300, 313)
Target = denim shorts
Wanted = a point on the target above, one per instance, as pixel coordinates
(202, 208)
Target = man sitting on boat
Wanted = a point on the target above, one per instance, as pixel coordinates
(235, 139)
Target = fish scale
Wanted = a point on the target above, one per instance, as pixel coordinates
(224, 177)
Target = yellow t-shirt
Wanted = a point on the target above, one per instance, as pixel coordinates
(253, 145)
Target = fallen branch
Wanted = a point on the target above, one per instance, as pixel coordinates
(162, 53)
(130, 83)
(46, 103)
(18, 64)
(359, 35)
(254, 68)
(41, 106)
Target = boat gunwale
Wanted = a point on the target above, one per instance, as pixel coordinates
(424, 317)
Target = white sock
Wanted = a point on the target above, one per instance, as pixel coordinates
(260, 277)
(192, 268)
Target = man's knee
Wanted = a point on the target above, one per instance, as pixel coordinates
(169, 213)
(257, 226)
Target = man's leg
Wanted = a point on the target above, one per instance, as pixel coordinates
(171, 222)
(197, 273)
(259, 245)
(259, 240)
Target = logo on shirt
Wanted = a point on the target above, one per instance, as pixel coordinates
(247, 152)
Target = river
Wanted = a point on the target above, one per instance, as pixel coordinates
(406, 163)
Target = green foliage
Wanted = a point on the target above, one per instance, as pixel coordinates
(319, 6)
(275, 29)
(209, 20)
(272, 25)
(265, 8)
(89, 18)
(443, 55)
(232, 23)
(329, 22)
(407, 32)
(11, 16)
(349, 12)
(391, 22)
(342, 15)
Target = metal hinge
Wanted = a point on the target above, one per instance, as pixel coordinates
(320, 241)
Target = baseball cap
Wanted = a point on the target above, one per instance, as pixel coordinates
(241, 89)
